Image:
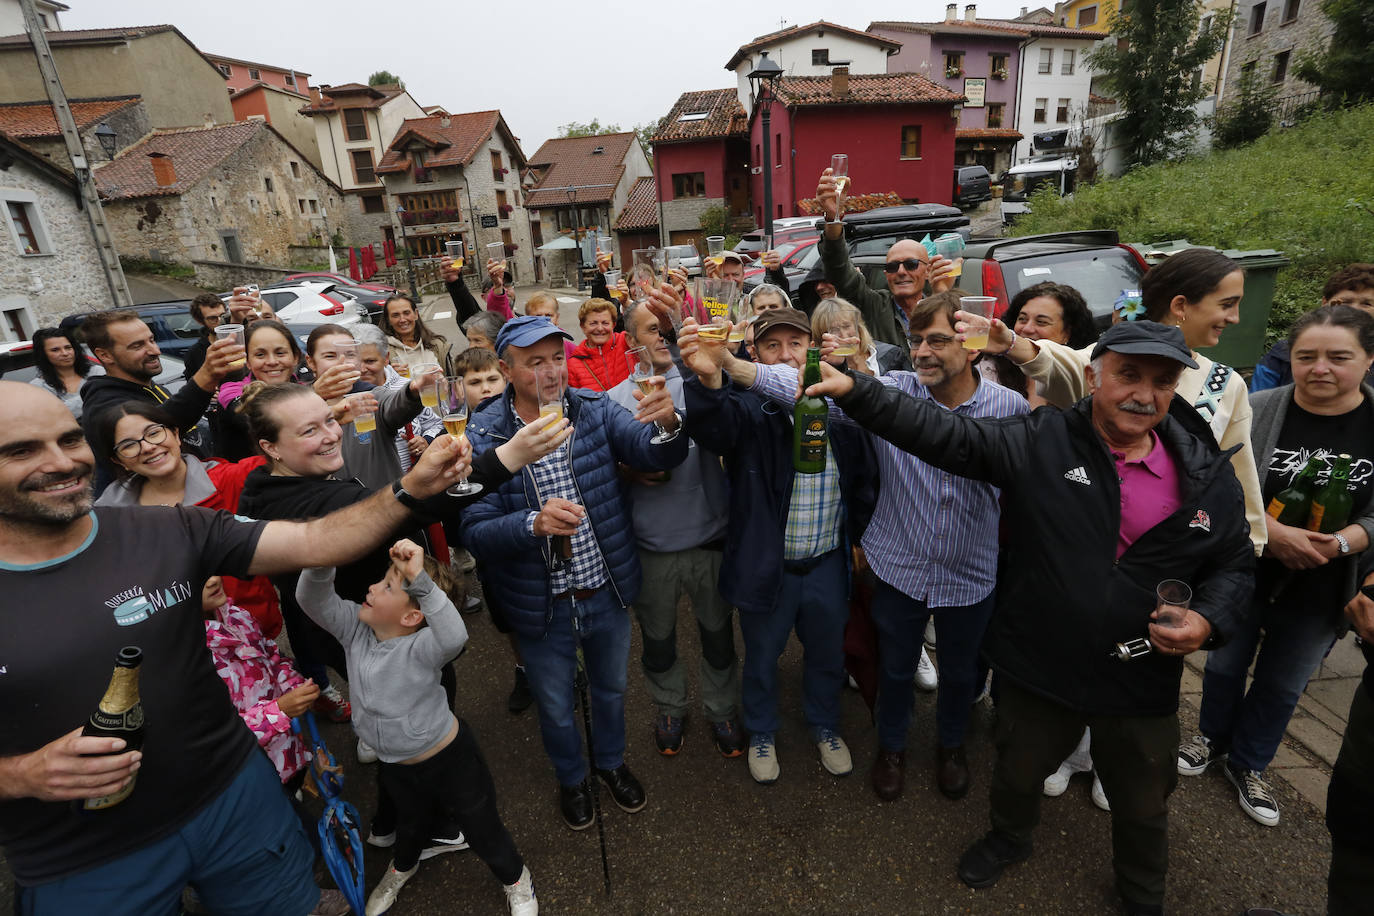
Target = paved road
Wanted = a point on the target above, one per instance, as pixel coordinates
(156, 288)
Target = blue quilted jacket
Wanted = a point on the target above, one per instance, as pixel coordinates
(516, 564)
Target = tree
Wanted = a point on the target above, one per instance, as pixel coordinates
(1152, 71)
(1341, 70)
(1248, 113)
(592, 128)
(385, 78)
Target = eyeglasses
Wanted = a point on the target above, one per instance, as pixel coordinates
(1354, 303)
(911, 264)
(129, 448)
(934, 341)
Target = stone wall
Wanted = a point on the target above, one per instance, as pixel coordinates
(66, 276)
(1309, 30)
(685, 214)
(222, 275)
(361, 228)
(232, 198)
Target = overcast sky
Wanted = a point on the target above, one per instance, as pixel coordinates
(542, 63)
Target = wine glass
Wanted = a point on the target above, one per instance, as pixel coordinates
(839, 170)
(641, 373)
(453, 401)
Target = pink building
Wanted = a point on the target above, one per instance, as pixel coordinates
(240, 74)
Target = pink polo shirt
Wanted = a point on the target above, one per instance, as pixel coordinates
(1149, 492)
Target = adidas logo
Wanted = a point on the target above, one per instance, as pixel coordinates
(1078, 475)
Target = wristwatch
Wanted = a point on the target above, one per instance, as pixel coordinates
(1342, 543)
(406, 499)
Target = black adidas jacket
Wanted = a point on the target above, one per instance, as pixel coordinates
(1063, 599)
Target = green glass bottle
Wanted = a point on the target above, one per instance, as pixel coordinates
(1331, 507)
(1291, 506)
(810, 421)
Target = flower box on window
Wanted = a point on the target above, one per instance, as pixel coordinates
(505, 209)
(1000, 73)
(953, 73)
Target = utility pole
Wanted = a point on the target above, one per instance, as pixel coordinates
(85, 179)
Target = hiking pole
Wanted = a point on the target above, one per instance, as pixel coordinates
(581, 681)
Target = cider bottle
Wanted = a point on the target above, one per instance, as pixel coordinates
(1291, 506)
(119, 715)
(810, 421)
(1331, 507)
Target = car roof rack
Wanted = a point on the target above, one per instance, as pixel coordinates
(1087, 238)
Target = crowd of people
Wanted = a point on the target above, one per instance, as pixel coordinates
(1011, 509)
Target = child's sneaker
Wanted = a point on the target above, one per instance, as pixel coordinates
(331, 704)
(520, 896)
(387, 889)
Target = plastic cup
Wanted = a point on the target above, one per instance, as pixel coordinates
(455, 254)
(235, 333)
(715, 249)
(951, 246)
(1175, 596)
(496, 251)
(978, 310)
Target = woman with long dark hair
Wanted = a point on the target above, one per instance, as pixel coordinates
(1045, 311)
(62, 366)
(409, 339)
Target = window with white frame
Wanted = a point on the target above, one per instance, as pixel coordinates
(1066, 68)
(1046, 60)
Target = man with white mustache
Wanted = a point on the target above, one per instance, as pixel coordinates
(1103, 501)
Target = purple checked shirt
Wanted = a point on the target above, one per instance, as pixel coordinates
(933, 536)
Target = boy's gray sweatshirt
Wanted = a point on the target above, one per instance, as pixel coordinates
(399, 707)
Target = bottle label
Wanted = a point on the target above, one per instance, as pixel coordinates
(127, 721)
(109, 801)
(1275, 508)
(1314, 521)
(812, 446)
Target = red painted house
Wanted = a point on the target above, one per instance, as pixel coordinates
(898, 130)
(701, 160)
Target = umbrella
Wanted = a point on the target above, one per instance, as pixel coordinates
(340, 841)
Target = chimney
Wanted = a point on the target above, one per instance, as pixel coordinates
(1024, 11)
(315, 97)
(951, 12)
(971, 13)
(444, 122)
(164, 172)
(839, 82)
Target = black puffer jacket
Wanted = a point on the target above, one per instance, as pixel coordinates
(1063, 598)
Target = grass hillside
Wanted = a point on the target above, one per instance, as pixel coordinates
(1307, 191)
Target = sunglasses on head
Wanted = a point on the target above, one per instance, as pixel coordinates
(911, 264)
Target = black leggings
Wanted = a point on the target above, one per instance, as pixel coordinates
(452, 787)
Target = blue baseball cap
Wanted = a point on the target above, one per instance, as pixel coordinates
(525, 331)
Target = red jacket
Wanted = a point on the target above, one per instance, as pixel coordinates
(255, 595)
(600, 368)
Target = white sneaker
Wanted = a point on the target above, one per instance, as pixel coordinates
(763, 759)
(1196, 756)
(834, 752)
(1253, 793)
(927, 678)
(471, 603)
(365, 752)
(930, 633)
(1100, 794)
(381, 840)
(387, 889)
(1056, 783)
(439, 845)
(520, 896)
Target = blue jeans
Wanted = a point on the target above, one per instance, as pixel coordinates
(1250, 724)
(602, 627)
(901, 624)
(816, 603)
(244, 853)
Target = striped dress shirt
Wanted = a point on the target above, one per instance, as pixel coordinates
(933, 536)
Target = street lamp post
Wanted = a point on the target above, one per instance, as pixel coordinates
(764, 82)
(410, 265)
(108, 139)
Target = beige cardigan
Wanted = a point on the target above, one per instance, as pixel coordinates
(1059, 371)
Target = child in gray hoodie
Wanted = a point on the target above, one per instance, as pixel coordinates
(431, 766)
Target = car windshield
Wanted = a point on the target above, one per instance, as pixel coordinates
(1099, 274)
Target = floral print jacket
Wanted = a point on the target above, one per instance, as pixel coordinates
(256, 673)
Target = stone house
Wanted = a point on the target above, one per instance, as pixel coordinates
(48, 266)
(234, 193)
(1267, 38)
(179, 86)
(701, 159)
(354, 124)
(34, 124)
(579, 184)
(457, 178)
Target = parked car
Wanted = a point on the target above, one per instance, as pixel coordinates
(342, 280)
(972, 185)
(1020, 181)
(751, 243)
(17, 365)
(798, 258)
(309, 300)
(1094, 262)
(171, 323)
(372, 301)
(687, 257)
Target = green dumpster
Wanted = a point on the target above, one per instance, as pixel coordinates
(1243, 344)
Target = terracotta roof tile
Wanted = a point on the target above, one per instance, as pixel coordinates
(987, 133)
(641, 207)
(356, 94)
(859, 203)
(763, 41)
(194, 151)
(1039, 30)
(35, 119)
(571, 163)
(455, 144)
(1009, 27)
(77, 36)
(865, 89)
(725, 117)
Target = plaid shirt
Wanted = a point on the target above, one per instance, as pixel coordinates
(813, 516)
(553, 476)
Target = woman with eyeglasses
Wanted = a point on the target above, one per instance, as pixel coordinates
(62, 366)
(143, 442)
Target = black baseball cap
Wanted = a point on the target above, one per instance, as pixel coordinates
(1145, 338)
(786, 317)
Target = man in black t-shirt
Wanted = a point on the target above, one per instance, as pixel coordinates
(205, 809)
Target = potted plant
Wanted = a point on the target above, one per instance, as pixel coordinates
(1000, 73)
(953, 73)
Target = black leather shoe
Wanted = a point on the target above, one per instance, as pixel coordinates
(951, 771)
(887, 774)
(625, 789)
(576, 804)
(520, 695)
(983, 863)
